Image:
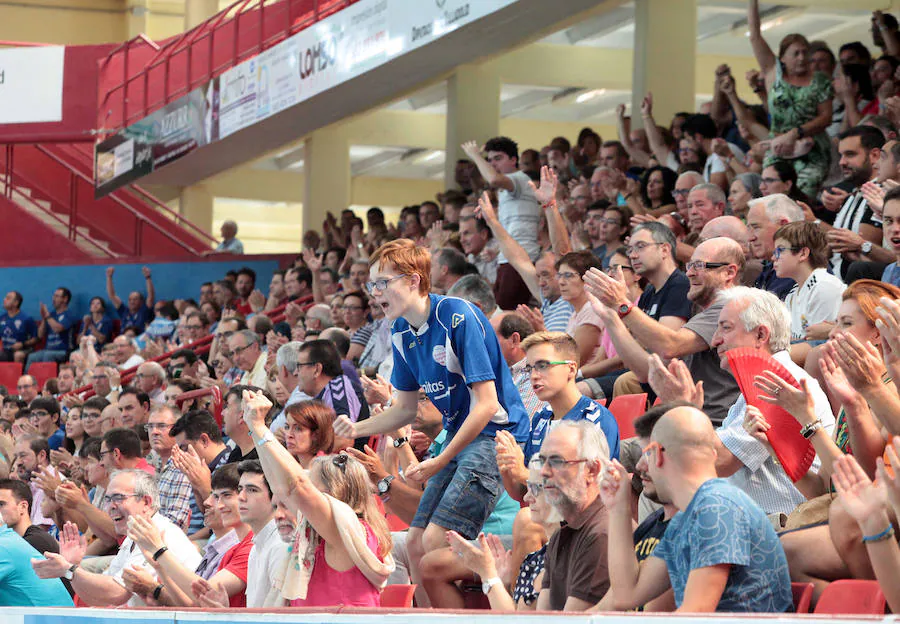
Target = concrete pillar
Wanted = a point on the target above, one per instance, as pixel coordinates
(196, 205)
(196, 11)
(326, 166)
(665, 53)
(473, 111)
(137, 17)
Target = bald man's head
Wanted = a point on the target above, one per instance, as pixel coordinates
(715, 265)
(728, 227)
(685, 433)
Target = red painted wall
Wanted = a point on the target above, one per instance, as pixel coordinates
(23, 239)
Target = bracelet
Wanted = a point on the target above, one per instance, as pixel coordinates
(267, 437)
(157, 591)
(159, 553)
(808, 430)
(880, 537)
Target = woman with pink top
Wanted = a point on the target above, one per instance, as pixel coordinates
(341, 549)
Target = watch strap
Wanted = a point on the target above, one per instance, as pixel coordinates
(808, 430)
(400, 442)
(488, 583)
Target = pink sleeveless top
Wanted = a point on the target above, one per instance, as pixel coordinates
(330, 588)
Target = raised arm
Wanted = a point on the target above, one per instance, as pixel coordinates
(487, 170)
(314, 264)
(637, 156)
(514, 252)
(761, 50)
(287, 478)
(546, 196)
(151, 290)
(111, 289)
(654, 136)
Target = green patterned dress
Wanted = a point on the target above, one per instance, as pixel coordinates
(790, 107)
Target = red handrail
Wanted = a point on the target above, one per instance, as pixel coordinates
(187, 43)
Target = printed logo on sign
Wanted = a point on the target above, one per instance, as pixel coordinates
(456, 319)
(439, 353)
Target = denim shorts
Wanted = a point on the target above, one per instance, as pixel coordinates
(462, 495)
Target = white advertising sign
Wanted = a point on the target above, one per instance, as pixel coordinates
(31, 84)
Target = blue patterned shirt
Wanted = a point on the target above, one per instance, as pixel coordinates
(556, 314)
(722, 525)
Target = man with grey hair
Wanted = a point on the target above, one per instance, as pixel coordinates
(230, 243)
(151, 379)
(287, 371)
(683, 185)
(248, 356)
(475, 289)
(131, 497)
(447, 267)
(572, 459)
(764, 217)
(318, 317)
(705, 203)
(757, 319)
(715, 266)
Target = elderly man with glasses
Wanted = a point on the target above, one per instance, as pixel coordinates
(131, 493)
(576, 575)
(247, 354)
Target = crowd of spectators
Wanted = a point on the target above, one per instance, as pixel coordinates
(447, 377)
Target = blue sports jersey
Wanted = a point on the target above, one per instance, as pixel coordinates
(64, 340)
(18, 328)
(584, 409)
(103, 326)
(455, 348)
(138, 319)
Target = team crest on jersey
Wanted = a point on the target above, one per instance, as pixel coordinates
(456, 319)
(439, 353)
(18, 323)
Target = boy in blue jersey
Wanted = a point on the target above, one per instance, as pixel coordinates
(18, 331)
(447, 347)
(552, 361)
(58, 327)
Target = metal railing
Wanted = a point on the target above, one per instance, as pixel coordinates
(133, 89)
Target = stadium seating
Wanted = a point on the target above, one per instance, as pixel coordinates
(42, 371)
(9, 375)
(398, 596)
(802, 596)
(626, 408)
(852, 596)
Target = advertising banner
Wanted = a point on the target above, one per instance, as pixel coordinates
(31, 84)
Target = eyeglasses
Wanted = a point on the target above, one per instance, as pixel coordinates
(352, 307)
(567, 275)
(653, 445)
(534, 488)
(612, 268)
(118, 499)
(556, 463)
(681, 192)
(193, 327)
(307, 363)
(340, 460)
(381, 284)
(700, 265)
(38, 414)
(778, 251)
(24, 385)
(89, 416)
(102, 453)
(610, 221)
(140, 376)
(239, 350)
(639, 247)
(154, 426)
(542, 366)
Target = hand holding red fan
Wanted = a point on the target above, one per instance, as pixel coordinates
(795, 453)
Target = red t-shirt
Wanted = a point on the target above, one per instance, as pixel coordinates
(143, 465)
(235, 561)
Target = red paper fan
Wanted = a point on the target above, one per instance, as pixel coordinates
(795, 452)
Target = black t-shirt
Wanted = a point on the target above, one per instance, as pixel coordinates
(40, 540)
(670, 300)
(236, 455)
(648, 534)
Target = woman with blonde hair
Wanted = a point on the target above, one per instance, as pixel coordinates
(341, 550)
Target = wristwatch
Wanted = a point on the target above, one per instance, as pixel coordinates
(268, 436)
(866, 248)
(384, 485)
(486, 584)
(808, 431)
(400, 442)
(624, 309)
(70, 573)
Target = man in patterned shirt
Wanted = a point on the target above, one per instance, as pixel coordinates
(175, 490)
(719, 554)
(512, 329)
